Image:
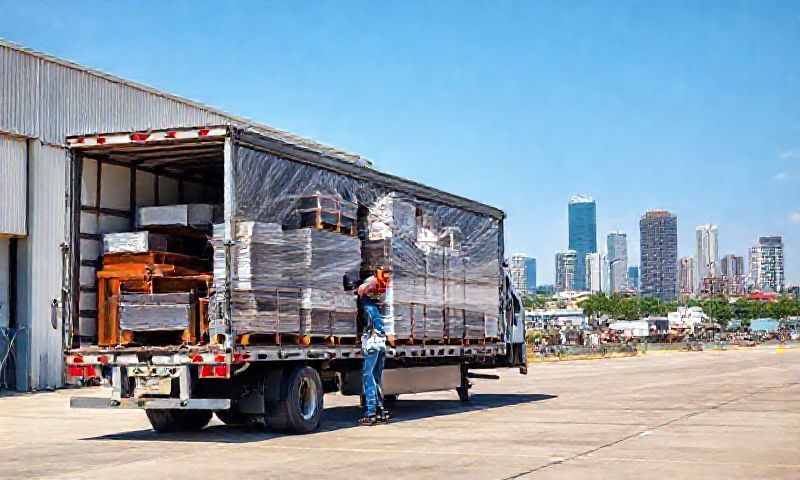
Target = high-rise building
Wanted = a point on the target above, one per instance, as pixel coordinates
(582, 233)
(686, 272)
(605, 279)
(617, 244)
(518, 270)
(633, 277)
(594, 272)
(658, 237)
(706, 254)
(530, 275)
(731, 269)
(566, 270)
(766, 264)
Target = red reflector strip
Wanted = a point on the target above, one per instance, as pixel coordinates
(203, 132)
(172, 134)
(139, 137)
(206, 371)
(82, 371)
(101, 140)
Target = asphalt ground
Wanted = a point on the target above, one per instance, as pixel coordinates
(727, 414)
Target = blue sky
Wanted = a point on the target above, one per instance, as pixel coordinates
(689, 106)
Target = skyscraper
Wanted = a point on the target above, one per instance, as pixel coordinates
(582, 233)
(766, 264)
(633, 277)
(617, 244)
(706, 254)
(530, 274)
(594, 272)
(517, 269)
(566, 270)
(658, 236)
(686, 272)
(731, 269)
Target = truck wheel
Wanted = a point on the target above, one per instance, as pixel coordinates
(231, 417)
(301, 409)
(463, 394)
(164, 421)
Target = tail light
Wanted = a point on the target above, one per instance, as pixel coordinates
(82, 371)
(203, 132)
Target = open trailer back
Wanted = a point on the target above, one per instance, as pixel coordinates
(211, 270)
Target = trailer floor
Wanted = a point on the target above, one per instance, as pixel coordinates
(733, 414)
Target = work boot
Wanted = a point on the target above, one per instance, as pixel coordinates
(384, 415)
(368, 420)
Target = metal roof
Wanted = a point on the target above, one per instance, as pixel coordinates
(278, 134)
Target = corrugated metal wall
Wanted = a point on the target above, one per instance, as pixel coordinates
(46, 100)
(40, 355)
(13, 180)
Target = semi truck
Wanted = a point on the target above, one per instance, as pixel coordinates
(278, 380)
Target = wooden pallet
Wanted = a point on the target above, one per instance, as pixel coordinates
(247, 339)
(169, 337)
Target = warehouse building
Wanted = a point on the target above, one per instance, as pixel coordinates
(42, 100)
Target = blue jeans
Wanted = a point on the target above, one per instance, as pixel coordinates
(372, 380)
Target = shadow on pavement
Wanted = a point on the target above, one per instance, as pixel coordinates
(336, 418)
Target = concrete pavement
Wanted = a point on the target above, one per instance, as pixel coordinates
(732, 414)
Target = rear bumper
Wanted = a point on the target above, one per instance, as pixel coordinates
(151, 403)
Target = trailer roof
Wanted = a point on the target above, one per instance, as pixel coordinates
(158, 148)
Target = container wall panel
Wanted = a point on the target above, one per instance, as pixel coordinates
(13, 183)
(115, 187)
(167, 191)
(145, 189)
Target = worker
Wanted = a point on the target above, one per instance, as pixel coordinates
(373, 346)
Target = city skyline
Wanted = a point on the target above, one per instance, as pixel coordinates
(660, 107)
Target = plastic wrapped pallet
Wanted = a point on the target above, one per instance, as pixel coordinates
(155, 312)
(137, 242)
(417, 228)
(312, 262)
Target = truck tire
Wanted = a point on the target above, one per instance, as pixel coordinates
(231, 417)
(300, 409)
(164, 421)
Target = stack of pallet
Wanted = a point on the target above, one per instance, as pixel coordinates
(153, 284)
(289, 281)
(436, 293)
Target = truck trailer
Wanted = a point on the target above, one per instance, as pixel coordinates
(211, 270)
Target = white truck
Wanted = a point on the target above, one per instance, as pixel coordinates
(280, 383)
